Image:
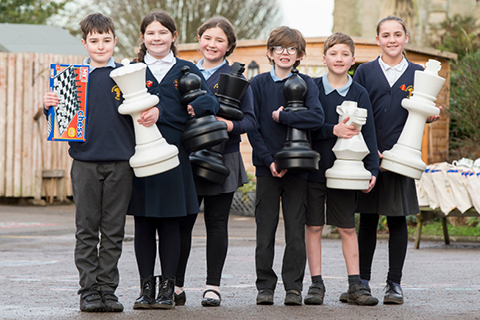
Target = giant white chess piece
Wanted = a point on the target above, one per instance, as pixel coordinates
(405, 157)
(348, 171)
(153, 154)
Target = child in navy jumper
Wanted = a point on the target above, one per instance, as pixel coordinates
(217, 41)
(285, 49)
(101, 174)
(160, 201)
(388, 80)
(336, 87)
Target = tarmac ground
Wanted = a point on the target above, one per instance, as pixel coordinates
(38, 278)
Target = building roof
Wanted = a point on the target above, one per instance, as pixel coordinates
(38, 38)
(320, 40)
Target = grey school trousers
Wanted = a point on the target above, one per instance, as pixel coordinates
(101, 192)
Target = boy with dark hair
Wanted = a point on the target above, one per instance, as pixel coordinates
(285, 49)
(101, 174)
(336, 87)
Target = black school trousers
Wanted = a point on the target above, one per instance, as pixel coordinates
(292, 191)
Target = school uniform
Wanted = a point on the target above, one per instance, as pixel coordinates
(218, 198)
(171, 193)
(394, 195)
(158, 201)
(267, 138)
(341, 204)
(101, 183)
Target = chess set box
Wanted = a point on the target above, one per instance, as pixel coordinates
(67, 121)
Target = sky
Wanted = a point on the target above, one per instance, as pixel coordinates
(314, 18)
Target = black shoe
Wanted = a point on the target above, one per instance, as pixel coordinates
(111, 301)
(210, 302)
(180, 299)
(344, 295)
(315, 294)
(91, 301)
(165, 299)
(265, 297)
(360, 295)
(147, 294)
(393, 294)
(293, 298)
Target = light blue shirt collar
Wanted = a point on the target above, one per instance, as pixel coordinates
(110, 63)
(274, 77)
(208, 73)
(341, 91)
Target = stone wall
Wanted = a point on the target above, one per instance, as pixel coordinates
(359, 18)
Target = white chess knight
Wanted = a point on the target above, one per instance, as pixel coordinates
(153, 154)
(348, 171)
(405, 157)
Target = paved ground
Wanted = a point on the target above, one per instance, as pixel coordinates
(38, 279)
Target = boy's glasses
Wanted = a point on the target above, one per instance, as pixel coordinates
(280, 50)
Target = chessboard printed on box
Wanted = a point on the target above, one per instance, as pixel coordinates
(67, 120)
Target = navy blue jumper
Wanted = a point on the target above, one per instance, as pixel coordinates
(323, 139)
(109, 136)
(268, 137)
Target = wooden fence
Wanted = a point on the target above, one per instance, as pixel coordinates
(25, 153)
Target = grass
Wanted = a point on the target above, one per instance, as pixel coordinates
(434, 228)
(430, 228)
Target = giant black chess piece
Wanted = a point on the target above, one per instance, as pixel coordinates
(231, 88)
(201, 131)
(209, 164)
(296, 154)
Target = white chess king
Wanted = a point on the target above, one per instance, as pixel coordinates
(405, 157)
(153, 154)
(348, 171)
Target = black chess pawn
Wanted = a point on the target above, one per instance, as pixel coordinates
(296, 154)
(201, 131)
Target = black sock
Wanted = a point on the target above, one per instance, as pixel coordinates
(317, 279)
(353, 280)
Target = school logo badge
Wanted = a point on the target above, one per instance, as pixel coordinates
(175, 83)
(408, 89)
(149, 83)
(116, 90)
(215, 87)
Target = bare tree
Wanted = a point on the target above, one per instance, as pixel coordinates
(252, 19)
